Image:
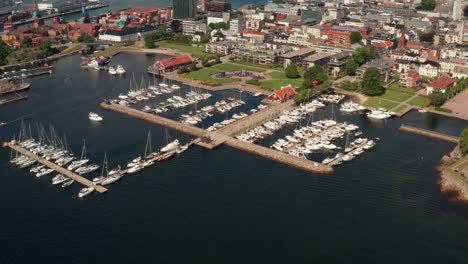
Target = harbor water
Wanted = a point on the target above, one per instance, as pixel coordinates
(222, 205)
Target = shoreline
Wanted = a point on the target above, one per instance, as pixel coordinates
(452, 185)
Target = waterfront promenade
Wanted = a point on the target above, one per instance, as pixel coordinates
(211, 140)
(58, 169)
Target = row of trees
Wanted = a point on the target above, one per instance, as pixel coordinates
(5, 51)
(219, 25)
(361, 56)
(427, 5)
(464, 141)
(438, 99)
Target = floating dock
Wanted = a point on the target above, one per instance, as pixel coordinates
(211, 140)
(57, 168)
(429, 133)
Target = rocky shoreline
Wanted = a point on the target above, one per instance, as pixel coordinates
(454, 186)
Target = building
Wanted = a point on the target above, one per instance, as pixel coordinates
(411, 79)
(283, 94)
(170, 64)
(318, 58)
(190, 26)
(254, 36)
(98, 61)
(237, 25)
(184, 9)
(218, 17)
(221, 47)
(295, 57)
(336, 65)
(382, 65)
(259, 54)
(442, 84)
(218, 5)
(429, 69)
(340, 35)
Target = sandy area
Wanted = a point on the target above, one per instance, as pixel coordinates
(459, 105)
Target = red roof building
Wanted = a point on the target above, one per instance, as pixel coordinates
(170, 64)
(442, 84)
(283, 94)
(411, 79)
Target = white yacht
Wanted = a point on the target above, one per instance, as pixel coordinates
(87, 169)
(378, 114)
(171, 146)
(134, 162)
(67, 183)
(85, 191)
(112, 71)
(43, 172)
(136, 168)
(120, 69)
(95, 117)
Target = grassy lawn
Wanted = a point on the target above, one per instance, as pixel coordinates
(233, 67)
(276, 84)
(73, 49)
(204, 75)
(110, 51)
(277, 75)
(376, 102)
(265, 67)
(396, 95)
(198, 52)
(419, 101)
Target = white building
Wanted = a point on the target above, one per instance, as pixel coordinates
(429, 69)
(237, 25)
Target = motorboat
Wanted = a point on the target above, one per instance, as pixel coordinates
(120, 69)
(182, 149)
(59, 179)
(44, 172)
(134, 162)
(85, 191)
(37, 168)
(67, 183)
(95, 117)
(175, 86)
(112, 71)
(136, 168)
(87, 169)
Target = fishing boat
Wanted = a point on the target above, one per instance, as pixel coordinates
(85, 192)
(67, 183)
(120, 69)
(95, 117)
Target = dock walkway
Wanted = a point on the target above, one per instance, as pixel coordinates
(429, 133)
(58, 169)
(211, 140)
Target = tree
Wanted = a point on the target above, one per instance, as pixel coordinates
(372, 82)
(351, 66)
(5, 51)
(315, 73)
(363, 55)
(437, 98)
(219, 25)
(464, 141)
(149, 41)
(292, 72)
(350, 86)
(427, 37)
(27, 42)
(193, 67)
(355, 37)
(176, 25)
(86, 38)
(427, 5)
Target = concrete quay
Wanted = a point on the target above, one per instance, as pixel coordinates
(429, 133)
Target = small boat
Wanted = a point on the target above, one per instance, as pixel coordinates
(43, 172)
(87, 169)
(2, 124)
(112, 71)
(167, 155)
(182, 149)
(171, 146)
(67, 183)
(257, 94)
(95, 117)
(134, 162)
(120, 69)
(136, 168)
(422, 110)
(85, 191)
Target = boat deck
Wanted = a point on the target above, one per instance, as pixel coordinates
(57, 168)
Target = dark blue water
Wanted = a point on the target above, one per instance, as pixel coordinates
(223, 206)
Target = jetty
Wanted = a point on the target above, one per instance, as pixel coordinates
(429, 133)
(12, 98)
(211, 140)
(57, 168)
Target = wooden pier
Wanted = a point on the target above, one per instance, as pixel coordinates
(211, 140)
(57, 168)
(429, 133)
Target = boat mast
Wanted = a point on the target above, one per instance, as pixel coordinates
(148, 150)
(104, 165)
(83, 151)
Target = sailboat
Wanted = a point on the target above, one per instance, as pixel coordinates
(170, 145)
(78, 163)
(99, 179)
(347, 148)
(148, 149)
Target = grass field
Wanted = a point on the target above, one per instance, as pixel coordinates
(276, 84)
(204, 75)
(265, 67)
(278, 75)
(74, 49)
(419, 101)
(198, 52)
(110, 51)
(234, 67)
(395, 95)
(378, 102)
